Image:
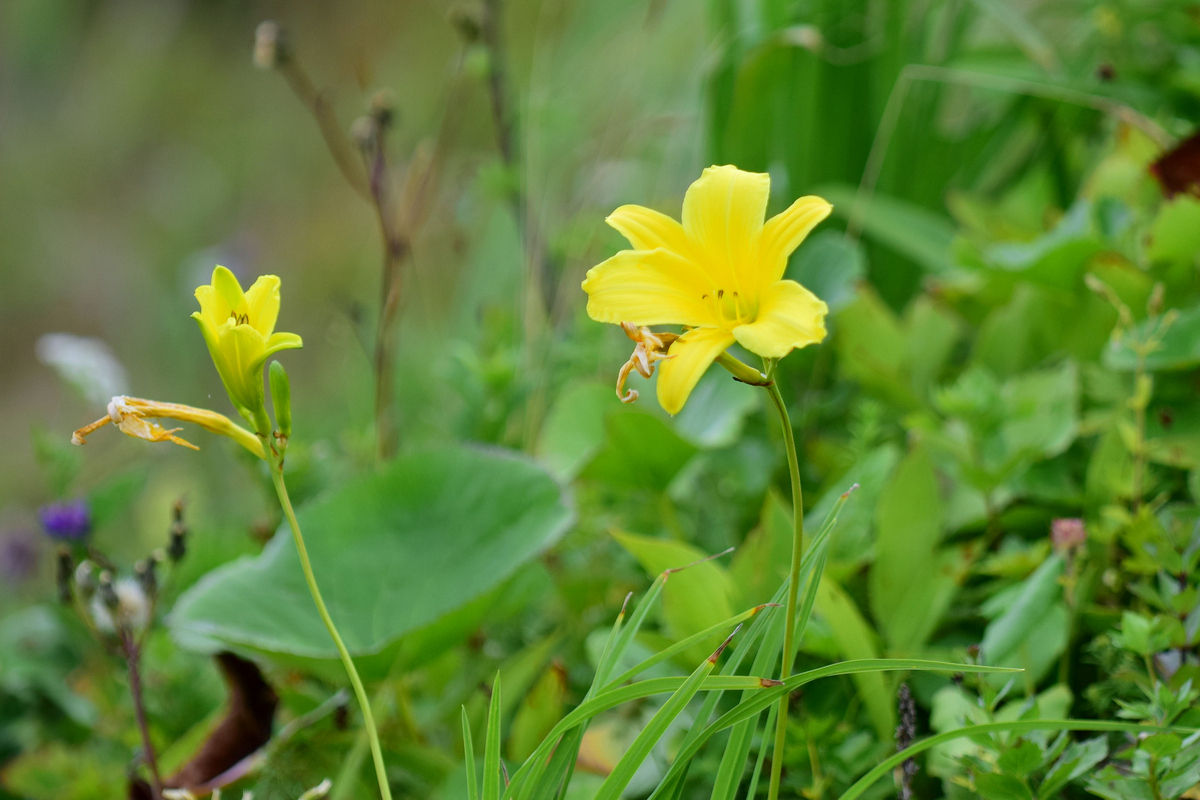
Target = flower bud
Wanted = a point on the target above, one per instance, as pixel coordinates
(177, 548)
(1067, 534)
(281, 399)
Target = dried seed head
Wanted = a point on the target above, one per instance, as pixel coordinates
(85, 578)
(122, 605)
(147, 576)
(64, 573)
(467, 20)
(269, 45)
(364, 131)
(383, 108)
(905, 733)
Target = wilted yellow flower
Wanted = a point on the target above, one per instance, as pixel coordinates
(135, 417)
(239, 330)
(718, 273)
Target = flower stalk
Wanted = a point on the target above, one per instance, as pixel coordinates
(789, 630)
(239, 329)
(360, 693)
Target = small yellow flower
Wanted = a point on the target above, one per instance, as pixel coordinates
(239, 330)
(718, 273)
(135, 417)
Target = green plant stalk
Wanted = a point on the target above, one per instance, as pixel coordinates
(789, 625)
(360, 693)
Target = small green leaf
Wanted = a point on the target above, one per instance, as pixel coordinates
(1021, 759)
(1161, 745)
(994, 786)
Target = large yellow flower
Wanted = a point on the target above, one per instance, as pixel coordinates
(719, 274)
(239, 330)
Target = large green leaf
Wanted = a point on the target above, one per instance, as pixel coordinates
(911, 583)
(693, 599)
(392, 553)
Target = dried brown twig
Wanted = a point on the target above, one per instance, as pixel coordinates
(362, 158)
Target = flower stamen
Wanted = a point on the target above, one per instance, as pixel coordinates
(651, 348)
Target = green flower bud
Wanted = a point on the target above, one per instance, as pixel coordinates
(281, 397)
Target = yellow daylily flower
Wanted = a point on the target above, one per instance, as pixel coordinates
(239, 330)
(134, 416)
(719, 273)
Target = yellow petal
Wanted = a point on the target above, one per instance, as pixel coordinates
(784, 232)
(213, 308)
(647, 287)
(690, 355)
(243, 350)
(723, 215)
(281, 341)
(789, 316)
(262, 301)
(226, 285)
(647, 229)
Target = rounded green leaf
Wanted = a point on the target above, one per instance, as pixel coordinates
(392, 553)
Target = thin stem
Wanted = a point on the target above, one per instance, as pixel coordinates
(360, 693)
(396, 247)
(1139, 431)
(133, 656)
(789, 630)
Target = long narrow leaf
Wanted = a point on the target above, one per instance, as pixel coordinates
(682, 645)
(491, 747)
(520, 785)
(812, 567)
(614, 697)
(649, 736)
(469, 757)
(748, 709)
(1023, 726)
(762, 751)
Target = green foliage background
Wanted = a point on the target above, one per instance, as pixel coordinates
(1014, 339)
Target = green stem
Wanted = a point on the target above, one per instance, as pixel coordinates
(789, 630)
(364, 702)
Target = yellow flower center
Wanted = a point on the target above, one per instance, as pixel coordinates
(239, 319)
(728, 308)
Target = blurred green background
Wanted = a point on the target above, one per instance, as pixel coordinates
(983, 157)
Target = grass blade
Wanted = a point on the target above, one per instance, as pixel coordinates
(469, 757)
(762, 751)
(682, 645)
(749, 709)
(491, 747)
(623, 772)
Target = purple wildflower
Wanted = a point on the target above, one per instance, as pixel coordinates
(68, 521)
